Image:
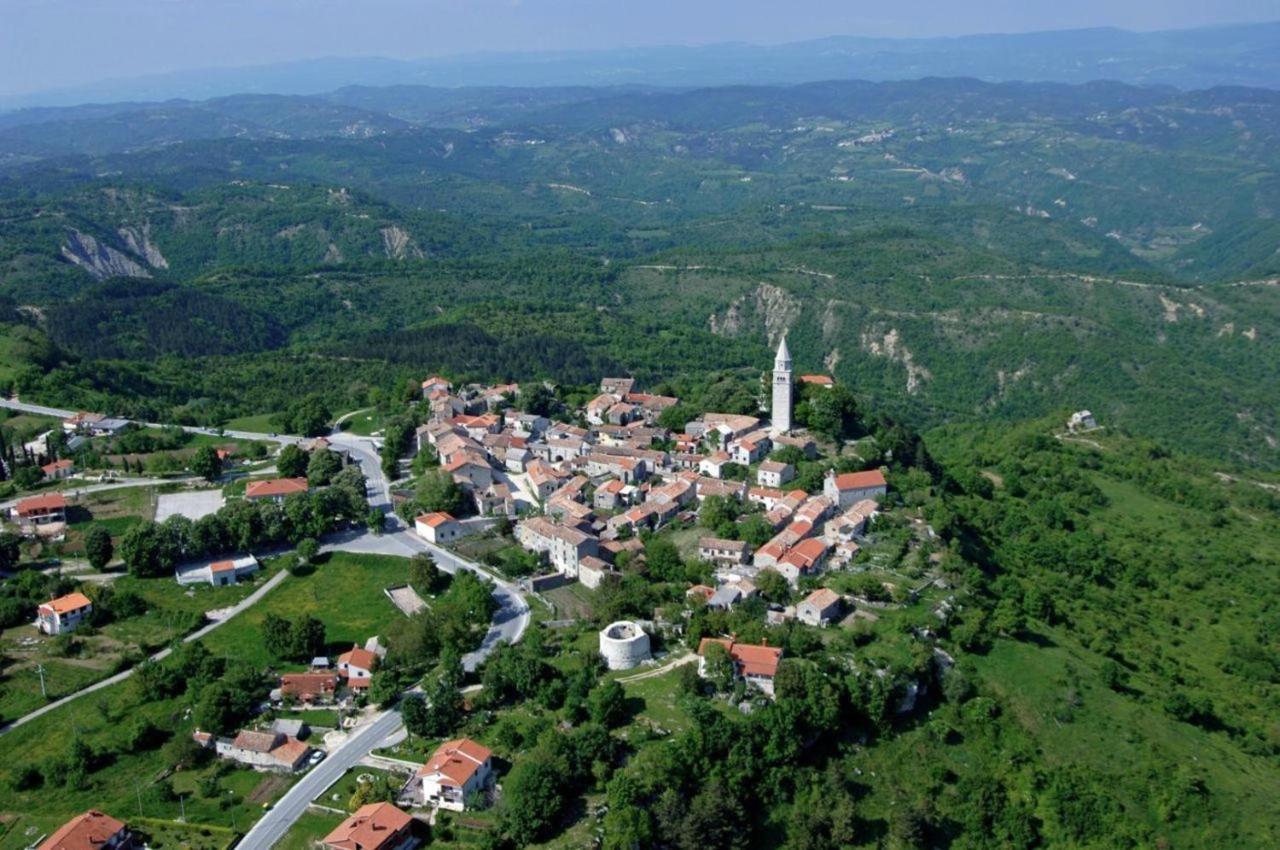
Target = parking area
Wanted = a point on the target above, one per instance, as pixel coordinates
(191, 504)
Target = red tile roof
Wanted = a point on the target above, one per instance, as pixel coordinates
(820, 380)
(373, 827)
(56, 465)
(308, 684)
(358, 657)
(457, 761)
(752, 660)
(222, 567)
(860, 480)
(435, 519)
(275, 487)
(67, 604)
(88, 831)
(42, 504)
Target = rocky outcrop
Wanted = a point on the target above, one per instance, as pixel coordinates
(889, 345)
(767, 306)
(138, 240)
(399, 245)
(99, 259)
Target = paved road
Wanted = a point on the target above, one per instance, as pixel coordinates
(162, 654)
(508, 625)
(74, 491)
(275, 823)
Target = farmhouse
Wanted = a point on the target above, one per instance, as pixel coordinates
(309, 687)
(266, 750)
(757, 665)
(64, 614)
(356, 665)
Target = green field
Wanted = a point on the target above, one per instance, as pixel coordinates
(260, 423)
(308, 829)
(345, 592)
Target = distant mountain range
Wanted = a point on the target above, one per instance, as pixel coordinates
(1243, 55)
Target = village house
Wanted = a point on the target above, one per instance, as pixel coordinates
(803, 559)
(819, 608)
(45, 513)
(64, 614)
(375, 826)
(714, 465)
(629, 470)
(565, 547)
(92, 830)
(356, 665)
(564, 509)
(437, 527)
(456, 771)
(594, 571)
(494, 500)
(749, 449)
(316, 688)
(650, 406)
(774, 473)
(274, 489)
(266, 750)
(58, 470)
(796, 441)
(434, 383)
(617, 386)
(757, 665)
(725, 553)
(543, 478)
(608, 496)
(1082, 420)
(470, 469)
(845, 489)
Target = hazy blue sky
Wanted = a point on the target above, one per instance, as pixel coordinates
(49, 43)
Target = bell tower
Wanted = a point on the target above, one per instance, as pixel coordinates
(780, 412)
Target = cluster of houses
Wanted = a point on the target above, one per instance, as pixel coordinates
(600, 485)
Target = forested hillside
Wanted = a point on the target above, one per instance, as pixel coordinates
(952, 249)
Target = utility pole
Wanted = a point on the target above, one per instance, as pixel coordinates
(40, 670)
(182, 804)
(138, 789)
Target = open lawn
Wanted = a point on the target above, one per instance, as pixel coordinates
(345, 592)
(175, 835)
(364, 422)
(657, 700)
(307, 830)
(573, 601)
(259, 423)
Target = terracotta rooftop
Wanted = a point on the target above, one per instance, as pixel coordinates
(67, 604)
(753, 660)
(860, 480)
(435, 519)
(373, 827)
(42, 504)
(457, 761)
(88, 831)
(275, 487)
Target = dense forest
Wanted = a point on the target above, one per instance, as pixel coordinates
(954, 250)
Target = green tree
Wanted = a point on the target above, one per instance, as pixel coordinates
(773, 586)
(10, 550)
(98, 547)
(308, 549)
(292, 462)
(607, 704)
(719, 667)
(206, 463)
(322, 467)
(437, 491)
(148, 550)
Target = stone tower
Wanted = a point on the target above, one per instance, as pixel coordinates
(781, 410)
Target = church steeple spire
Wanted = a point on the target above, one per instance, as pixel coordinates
(780, 412)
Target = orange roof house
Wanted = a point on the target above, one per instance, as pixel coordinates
(377, 826)
(357, 662)
(67, 604)
(457, 761)
(819, 380)
(92, 830)
(275, 488)
(44, 505)
(758, 664)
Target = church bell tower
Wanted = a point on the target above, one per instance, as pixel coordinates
(781, 410)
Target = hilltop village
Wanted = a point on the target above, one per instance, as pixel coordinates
(583, 496)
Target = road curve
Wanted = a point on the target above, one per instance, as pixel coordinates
(240, 606)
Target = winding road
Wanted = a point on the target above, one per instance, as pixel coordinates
(508, 625)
